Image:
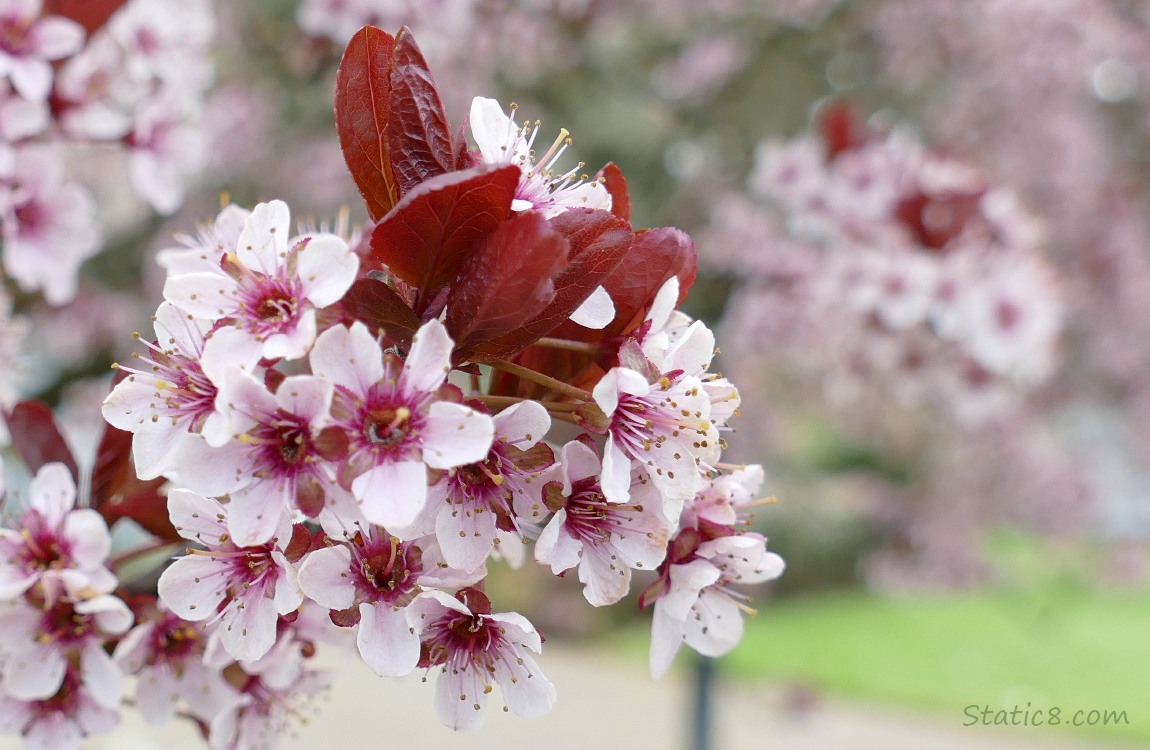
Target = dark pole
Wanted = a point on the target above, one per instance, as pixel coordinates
(701, 718)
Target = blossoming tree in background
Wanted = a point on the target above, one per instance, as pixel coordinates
(339, 428)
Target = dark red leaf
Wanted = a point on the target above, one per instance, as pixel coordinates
(655, 256)
(36, 437)
(372, 301)
(147, 509)
(91, 14)
(616, 185)
(436, 226)
(362, 99)
(599, 241)
(507, 282)
(418, 136)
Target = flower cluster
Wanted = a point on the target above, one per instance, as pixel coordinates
(127, 73)
(347, 425)
(920, 278)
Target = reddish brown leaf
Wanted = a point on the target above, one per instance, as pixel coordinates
(655, 256)
(507, 282)
(841, 129)
(436, 226)
(616, 185)
(418, 135)
(362, 100)
(91, 14)
(372, 301)
(599, 242)
(36, 437)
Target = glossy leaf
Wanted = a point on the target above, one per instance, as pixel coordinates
(507, 282)
(379, 307)
(599, 242)
(616, 185)
(431, 232)
(418, 135)
(36, 437)
(362, 112)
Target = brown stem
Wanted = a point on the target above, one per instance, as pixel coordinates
(571, 346)
(545, 380)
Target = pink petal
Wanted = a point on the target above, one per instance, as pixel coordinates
(256, 511)
(262, 245)
(386, 642)
(392, 494)
(465, 536)
(325, 577)
(32, 78)
(210, 296)
(556, 547)
(429, 359)
(596, 312)
(349, 357)
(193, 586)
(35, 672)
(616, 478)
(197, 518)
(53, 492)
(55, 37)
(460, 699)
(530, 694)
(455, 435)
(579, 462)
(102, 677)
(157, 695)
(327, 267)
(523, 424)
(88, 532)
(249, 632)
(292, 342)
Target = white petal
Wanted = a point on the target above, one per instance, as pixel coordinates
(102, 677)
(492, 130)
(256, 511)
(349, 357)
(596, 312)
(210, 296)
(386, 642)
(327, 268)
(325, 577)
(454, 435)
(88, 532)
(392, 494)
(262, 245)
(523, 424)
(248, 633)
(193, 586)
(429, 359)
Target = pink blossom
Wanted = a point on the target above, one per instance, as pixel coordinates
(370, 577)
(49, 225)
(43, 635)
(60, 721)
(477, 648)
(484, 506)
(54, 543)
(396, 421)
(606, 540)
(663, 426)
(270, 288)
(244, 588)
(31, 42)
(175, 391)
(502, 141)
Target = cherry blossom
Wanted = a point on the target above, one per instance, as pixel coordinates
(371, 577)
(606, 540)
(48, 224)
(267, 287)
(477, 648)
(54, 544)
(502, 141)
(31, 42)
(173, 394)
(244, 588)
(396, 422)
(486, 506)
(60, 721)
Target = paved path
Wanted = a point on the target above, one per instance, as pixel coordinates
(604, 703)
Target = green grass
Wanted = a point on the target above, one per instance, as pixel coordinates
(1063, 647)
